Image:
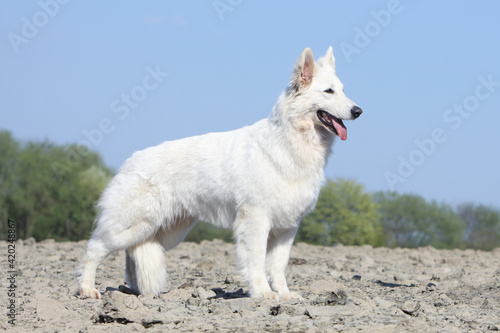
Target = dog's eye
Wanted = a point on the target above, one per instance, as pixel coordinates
(329, 91)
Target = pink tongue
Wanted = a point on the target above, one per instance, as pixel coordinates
(341, 130)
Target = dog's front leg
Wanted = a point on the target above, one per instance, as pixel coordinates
(251, 230)
(279, 246)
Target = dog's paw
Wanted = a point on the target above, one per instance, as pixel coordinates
(266, 294)
(271, 295)
(88, 292)
(289, 296)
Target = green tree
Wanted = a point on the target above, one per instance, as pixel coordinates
(482, 226)
(344, 214)
(411, 221)
(50, 204)
(9, 152)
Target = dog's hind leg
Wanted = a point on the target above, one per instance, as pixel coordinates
(146, 269)
(94, 254)
(279, 245)
(102, 243)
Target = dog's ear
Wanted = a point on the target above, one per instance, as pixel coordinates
(304, 70)
(329, 56)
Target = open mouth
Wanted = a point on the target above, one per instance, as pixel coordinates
(334, 124)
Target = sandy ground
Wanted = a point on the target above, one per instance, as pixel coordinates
(344, 288)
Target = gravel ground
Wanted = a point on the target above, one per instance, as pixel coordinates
(345, 288)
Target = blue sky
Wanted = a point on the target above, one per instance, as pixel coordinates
(122, 76)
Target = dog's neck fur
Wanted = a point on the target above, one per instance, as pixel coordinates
(292, 132)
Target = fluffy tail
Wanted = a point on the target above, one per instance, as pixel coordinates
(146, 269)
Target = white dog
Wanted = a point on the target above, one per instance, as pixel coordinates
(260, 180)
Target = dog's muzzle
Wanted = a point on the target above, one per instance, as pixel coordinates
(334, 124)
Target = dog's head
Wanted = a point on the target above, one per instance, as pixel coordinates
(318, 90)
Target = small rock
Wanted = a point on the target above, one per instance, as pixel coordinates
(186, 285)
(474, 326)
(201, 293)
(410, 307)
(332, 298)
(205, 265)
(356, 277)
(431, 287)
(400, 277)
(229, 279)
(442, 300)
(29, 241)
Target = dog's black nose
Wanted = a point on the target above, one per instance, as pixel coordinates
(356, 112)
